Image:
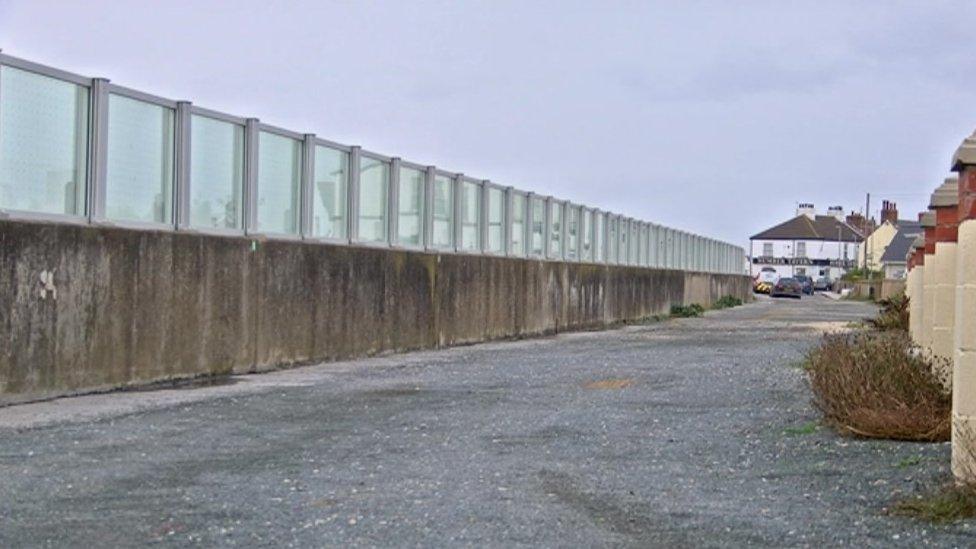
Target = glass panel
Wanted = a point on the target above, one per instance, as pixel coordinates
(599, 234)
(634, 243)
(410, 218)
(611, 240)
(43, 143)
(662, 247)
(518, 224)
(623, 232)
(646, 246)
(374, 180)
(652, 246)
(279, 179)
(556, 230)
(470, 215)
(216, 173)
(586, 233)
(572, 230)
(672, 250)
(330, 191)
(538, 226)
(496, 218)
(443, 231)
(139, 171)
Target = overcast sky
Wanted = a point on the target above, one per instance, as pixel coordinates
(711, 117)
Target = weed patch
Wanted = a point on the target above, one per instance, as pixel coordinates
(806, 429)
(687, 311)
(947, 504)
(908, 462)
(726, 302)
(893, 315)
(871, 384)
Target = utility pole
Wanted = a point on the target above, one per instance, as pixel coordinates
(864, 230)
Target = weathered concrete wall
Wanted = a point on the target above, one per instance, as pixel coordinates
(873, 289)
(140, 306)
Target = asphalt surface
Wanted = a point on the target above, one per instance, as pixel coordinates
(692, 432)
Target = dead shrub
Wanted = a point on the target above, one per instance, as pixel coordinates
(893, 314)
(872, 384)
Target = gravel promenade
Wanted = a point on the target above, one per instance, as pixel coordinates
(693, 432)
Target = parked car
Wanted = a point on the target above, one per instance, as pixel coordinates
(764, 281)
(806, 283)
(787, 287)
(823, 284)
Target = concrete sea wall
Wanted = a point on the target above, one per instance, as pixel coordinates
(88, 308)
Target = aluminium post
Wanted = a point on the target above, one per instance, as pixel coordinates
(352, 200)
(507, 210)
(599, 217)
(181, 188)
(547, 228)
(305, 195)
(483, 214)
(529, 221)
(393, 203)
(251, 138)
(457, 182)
(99, 150)
(429, 174)
(579, 209)
(564, 210)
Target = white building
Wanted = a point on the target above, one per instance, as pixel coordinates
(808, 244)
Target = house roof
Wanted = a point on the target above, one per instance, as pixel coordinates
(901, 244)
(802, 227)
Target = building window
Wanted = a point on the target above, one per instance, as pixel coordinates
(140, 163)
(410, 218)
(329, 193)
(43, 143)
(216, 173)
(767, 249)
(801, 249)
(442, 235)
(279, 179)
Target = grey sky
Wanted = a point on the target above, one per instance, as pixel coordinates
(711, 117)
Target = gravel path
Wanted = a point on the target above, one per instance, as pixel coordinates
(693, 432)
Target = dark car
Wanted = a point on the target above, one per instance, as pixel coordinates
(823, 284)
(787, 287)
(806, 283)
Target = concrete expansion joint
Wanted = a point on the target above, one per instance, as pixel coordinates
(964, 449)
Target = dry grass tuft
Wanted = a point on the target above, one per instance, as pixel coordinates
(609, 384)
(893, 314)
(872, 384)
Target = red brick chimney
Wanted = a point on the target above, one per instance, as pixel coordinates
(889, 212)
